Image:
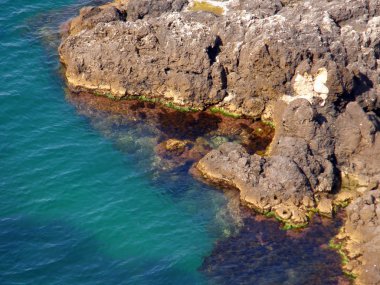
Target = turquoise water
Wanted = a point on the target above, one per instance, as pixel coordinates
(77, 206)
(85, 200)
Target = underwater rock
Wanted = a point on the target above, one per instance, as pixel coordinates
(180, 137)
(299, 257)
(177, 147)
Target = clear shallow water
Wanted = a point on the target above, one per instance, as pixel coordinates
(82, 197)
(75, 206)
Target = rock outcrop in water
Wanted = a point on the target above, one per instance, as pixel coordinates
(312, 67)
(255, 54)
(297, 175)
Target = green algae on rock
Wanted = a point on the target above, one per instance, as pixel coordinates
(206, 7)
(197, 131)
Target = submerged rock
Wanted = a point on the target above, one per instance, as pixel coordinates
(179, 137)
(261, 253)
(175, 146)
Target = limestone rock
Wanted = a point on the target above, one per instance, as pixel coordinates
(138, 9)
(89, 17)
(361, 233)
(358, 144)
(266, 184)
(257, 53)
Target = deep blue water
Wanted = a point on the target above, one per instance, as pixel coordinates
(82, 200)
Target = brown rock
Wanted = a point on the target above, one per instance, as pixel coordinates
(176, 146)
(325, 207)
(243, 61)
(271, 184)
(357, 144)
(361, 233)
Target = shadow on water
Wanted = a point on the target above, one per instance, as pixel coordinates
(262, 253)
(45, 252)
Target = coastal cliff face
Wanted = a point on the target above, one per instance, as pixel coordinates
(310, 67)
(256, 53)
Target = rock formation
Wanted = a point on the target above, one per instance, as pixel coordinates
(311, 67)
(255, 54)
(297, 175)
(361, 237)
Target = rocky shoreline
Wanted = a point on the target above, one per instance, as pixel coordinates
(179, 137)
(311, 68)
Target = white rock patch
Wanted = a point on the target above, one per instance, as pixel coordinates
(308, 87)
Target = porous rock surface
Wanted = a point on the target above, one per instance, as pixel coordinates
(362, 237)
(254, 54)
(297, 174)
(312, 67)
(308, 154)
(357, 140)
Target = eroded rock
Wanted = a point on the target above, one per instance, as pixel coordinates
(256, 53)
(358, 144)
(361, 237)
(138, 9)
(292, 180)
